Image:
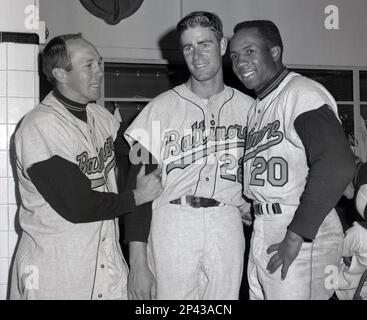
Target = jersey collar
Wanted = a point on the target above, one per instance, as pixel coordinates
(273, 83)
(69, 104)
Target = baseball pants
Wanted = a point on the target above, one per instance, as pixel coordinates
(307, 275)
(196, 253)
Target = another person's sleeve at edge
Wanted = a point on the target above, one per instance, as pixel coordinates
(331, 168)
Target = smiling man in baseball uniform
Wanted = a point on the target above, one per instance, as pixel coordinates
(196, 132)
(69, 246)
(297, 165)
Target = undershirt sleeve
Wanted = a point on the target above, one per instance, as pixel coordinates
(69, 193)
(331, 168)
(137, 223)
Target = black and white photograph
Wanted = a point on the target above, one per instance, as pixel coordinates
(183, 158)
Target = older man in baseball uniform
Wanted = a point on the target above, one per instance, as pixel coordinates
(297, 165)
(196, 242)
(69, 246)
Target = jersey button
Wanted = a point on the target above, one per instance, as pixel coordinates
(207, 179)
(100, 295)
(258, 111)
(102, 265)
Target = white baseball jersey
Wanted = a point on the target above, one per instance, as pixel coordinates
(198, 144)
(57, 259)
(275, 163)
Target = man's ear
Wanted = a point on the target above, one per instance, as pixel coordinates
(223, 45)
(59, 74)
(276, 53)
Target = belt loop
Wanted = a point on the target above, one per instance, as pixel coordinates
(183, 201)
(276, 208)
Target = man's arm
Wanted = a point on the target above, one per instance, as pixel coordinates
(69, 192)
(141, 282)
(331, 168)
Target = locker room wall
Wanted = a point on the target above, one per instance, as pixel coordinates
(301, 22)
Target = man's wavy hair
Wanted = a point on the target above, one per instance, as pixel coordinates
(201, 19)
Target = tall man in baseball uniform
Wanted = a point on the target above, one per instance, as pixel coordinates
(69, 246)
(196, 242)
(297, 165)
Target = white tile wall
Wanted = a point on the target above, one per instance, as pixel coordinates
(12, 215)
(11, 191)
(3, 137)
(21, 83)
(3, 47)
(4, 225)
(3, 164)
(18, 107)
(19, 92)
(22, 57)
(3, 191)
(4, 270)
(10, 168)
(3, 110)
(3, 290)
(36, 87)
(13, 239)
(2, 83)
(11, 130)
(4, 244)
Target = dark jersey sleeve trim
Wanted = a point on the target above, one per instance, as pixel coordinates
(69, 193)
(331, 168)
(137, 224)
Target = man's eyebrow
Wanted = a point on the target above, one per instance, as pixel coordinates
(205, 40)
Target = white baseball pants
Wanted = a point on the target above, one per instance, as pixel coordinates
(306, 277)
(196, 253)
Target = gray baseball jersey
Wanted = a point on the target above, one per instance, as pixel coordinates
(274, 150)
(198, 144)
(57, 259)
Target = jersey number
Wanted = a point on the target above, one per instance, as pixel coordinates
(277, 171)
(230, 163)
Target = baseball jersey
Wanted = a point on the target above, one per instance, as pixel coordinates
(275, 164)
(198, 143)
(355, 246)
(73, 261)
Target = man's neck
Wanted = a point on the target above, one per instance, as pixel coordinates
(205, 89)
(69, 103)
